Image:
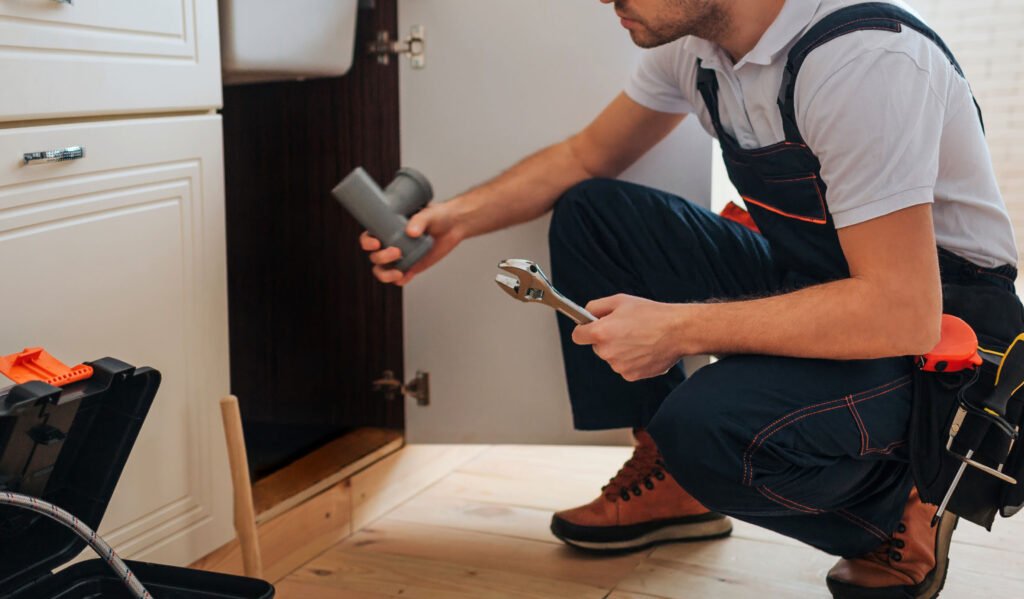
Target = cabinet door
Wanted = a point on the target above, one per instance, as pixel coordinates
(493, 92)
(122, 254)
(107, 57)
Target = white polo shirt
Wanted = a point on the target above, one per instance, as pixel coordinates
(887, 115)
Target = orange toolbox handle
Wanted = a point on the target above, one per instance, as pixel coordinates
(36, 364)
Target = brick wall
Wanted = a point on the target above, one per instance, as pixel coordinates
(988, 38)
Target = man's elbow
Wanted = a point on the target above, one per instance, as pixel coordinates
(923, 328)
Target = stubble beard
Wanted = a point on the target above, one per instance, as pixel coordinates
(706, 19)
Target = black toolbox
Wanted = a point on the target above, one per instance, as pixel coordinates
(68, 444)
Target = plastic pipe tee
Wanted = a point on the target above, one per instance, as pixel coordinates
(385, 213)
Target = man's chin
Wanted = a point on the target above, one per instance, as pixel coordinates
(646, 40)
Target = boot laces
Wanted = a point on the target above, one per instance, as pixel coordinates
(889, 552)
(636, 475)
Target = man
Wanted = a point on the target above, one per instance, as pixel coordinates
(855, 142)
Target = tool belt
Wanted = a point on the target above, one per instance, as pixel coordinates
(960, 437)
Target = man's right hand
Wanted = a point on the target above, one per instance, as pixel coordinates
(437, 220)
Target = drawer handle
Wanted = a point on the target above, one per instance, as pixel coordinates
(68, 2)
(62, 155)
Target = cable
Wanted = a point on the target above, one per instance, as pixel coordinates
(99, 545)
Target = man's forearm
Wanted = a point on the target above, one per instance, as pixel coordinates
(845, 319)
(522, 193)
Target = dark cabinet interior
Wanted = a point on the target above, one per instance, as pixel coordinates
(310, 327)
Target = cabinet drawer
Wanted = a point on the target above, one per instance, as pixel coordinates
(121, 253)
(107, 57)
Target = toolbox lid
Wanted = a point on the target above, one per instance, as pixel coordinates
(67, 445)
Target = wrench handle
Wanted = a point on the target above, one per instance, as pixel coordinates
(572, 310)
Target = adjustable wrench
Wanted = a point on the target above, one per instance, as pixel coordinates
(527, 283)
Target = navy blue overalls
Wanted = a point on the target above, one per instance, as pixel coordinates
(814, 449)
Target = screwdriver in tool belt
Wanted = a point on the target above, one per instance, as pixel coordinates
(1009, 380)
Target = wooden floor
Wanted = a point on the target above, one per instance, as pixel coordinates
(480, 530)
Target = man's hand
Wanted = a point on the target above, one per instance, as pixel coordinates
(439, 221)
(638, 338)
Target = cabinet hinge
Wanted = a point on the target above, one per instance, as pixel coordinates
(391, 388)
(414, 46)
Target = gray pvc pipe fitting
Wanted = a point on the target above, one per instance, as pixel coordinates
(385, 213)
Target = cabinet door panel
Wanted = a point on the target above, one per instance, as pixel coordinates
(121, 254)
(109, 57)
(486, 100)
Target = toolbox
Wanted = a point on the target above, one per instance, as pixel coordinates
(65, 435)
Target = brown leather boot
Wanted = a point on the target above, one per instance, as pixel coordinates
(643, 505)
(912, 564)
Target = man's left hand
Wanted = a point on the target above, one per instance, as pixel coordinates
(639, 338)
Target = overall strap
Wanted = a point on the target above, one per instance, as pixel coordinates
(879, 16)
(707, 85)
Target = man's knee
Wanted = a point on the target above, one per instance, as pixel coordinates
(575, 207)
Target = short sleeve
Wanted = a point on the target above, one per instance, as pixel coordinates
(654, 82)
(875, 125)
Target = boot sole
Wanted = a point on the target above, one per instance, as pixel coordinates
(713, 528)
(928, 589)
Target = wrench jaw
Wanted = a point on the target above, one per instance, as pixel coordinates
(527, 282)
(509, 285)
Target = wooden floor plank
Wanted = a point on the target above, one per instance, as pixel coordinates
(462, 514)
(293, 538)
(674, 580)
(523, 461)
(292, 589)
(735, 566)
(476, 525)
(556, 493)
(486, 551)
(398, 477)
(358, 570)
(631, 595)
(1006, 534)
(988, 561)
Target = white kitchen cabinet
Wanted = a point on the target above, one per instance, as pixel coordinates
(107, 57)
(122, 253)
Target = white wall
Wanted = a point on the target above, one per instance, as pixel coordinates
(987, 37)
(505, 78)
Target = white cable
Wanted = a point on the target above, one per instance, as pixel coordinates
(89, 535)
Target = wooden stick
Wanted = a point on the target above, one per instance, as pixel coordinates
(245, 513)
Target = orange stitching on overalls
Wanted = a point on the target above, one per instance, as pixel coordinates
(748, 470)
(864, 439)
(808, 219)
(857, 520)
(887, 449)
(787, 503)
(865, 436)
(807, 178)
(794, 413)
(817, 189)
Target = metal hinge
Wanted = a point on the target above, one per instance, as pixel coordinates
(414, 46)
(418, 388)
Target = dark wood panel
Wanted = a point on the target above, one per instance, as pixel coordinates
(310, 328)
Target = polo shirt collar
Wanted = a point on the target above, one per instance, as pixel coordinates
(793, 19)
